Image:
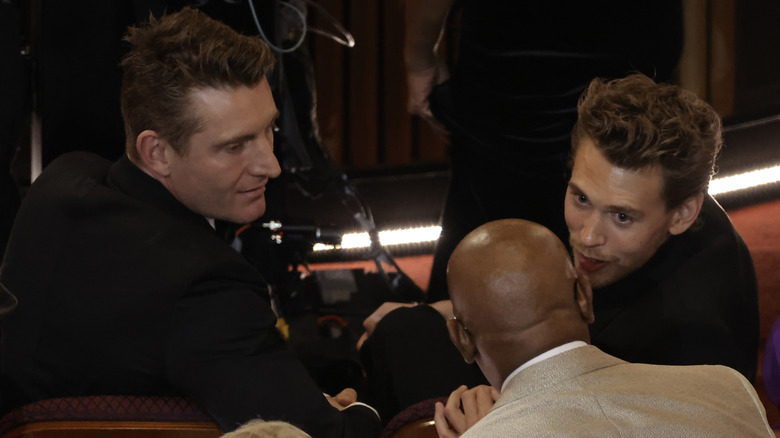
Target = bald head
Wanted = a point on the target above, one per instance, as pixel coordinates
(513, 293)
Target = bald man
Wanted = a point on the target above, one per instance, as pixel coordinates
(521, 313)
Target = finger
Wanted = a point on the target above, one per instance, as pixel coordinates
(347, 396)
(362, 339)
(369, 323)
(453, 411)
(470, 407)
(453, 402)
(440, 421)
(484, 401)
(333, 402)
(495, 394)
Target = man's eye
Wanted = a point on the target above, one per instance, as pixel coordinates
(582, 199)
(623, 218)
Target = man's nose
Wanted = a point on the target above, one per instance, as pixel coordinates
(592, 233)
(263, 162)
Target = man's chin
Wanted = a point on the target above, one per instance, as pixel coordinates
(605, 278)
(599, 280)
(244, 217)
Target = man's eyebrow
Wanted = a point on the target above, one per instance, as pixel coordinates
(621, 208)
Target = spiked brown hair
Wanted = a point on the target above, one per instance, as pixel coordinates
(174, 55)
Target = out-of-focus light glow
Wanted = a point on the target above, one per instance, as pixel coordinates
(388, 237)
(744, 180)
(414, 235)
(322, 247)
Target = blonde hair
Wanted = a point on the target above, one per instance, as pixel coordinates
(267, 429)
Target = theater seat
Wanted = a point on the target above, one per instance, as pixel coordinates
(113, 416)
(416, 421)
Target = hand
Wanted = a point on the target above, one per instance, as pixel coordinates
(371, 322)
(464, 408)
(420, 83)
(343, 399)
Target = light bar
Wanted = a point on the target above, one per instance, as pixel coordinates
(388, 237)
(745, 180)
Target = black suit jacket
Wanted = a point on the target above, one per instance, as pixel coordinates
(123, 290)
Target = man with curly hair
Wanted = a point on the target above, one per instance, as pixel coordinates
(674, 281)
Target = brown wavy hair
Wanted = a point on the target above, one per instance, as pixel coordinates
(636, 122)
(174, 55)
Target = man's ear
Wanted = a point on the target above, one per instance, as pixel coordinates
(685, 215)
(462, 340)
(584, 296)
(153, 151)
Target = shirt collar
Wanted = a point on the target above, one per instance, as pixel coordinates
(546, 355)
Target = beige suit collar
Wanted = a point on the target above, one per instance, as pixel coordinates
(569, 364)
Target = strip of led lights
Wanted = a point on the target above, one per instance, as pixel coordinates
(388, 237)
(718, 186)
(745, 180)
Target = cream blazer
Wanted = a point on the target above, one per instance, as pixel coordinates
(585, 392)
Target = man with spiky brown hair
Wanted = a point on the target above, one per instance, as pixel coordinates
(124, 285)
